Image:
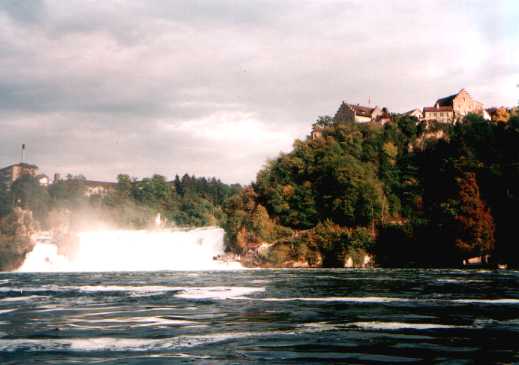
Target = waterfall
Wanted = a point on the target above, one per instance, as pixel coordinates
(132, 250)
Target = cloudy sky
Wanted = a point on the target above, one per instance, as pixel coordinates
(215, 88)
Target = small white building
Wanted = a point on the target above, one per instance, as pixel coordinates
(43, 180)
(415, 113)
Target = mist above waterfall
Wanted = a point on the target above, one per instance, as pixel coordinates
(133, 250)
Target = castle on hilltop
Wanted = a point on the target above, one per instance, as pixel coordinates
(453, 107)
(448, 109)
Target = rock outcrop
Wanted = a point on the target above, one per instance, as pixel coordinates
(16, 238)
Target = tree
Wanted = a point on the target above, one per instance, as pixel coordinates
(124, 185)
(501, 115)
(332, 241)
(27, 193)
(15, 238)
(5, 201)
(333, 178)
(154, 192)
(473, 221)
(323, 122)
(69, 193)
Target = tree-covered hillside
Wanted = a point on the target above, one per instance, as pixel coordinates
(429, 194)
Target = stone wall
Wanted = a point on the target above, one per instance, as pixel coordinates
(344, 114)
(463, 104)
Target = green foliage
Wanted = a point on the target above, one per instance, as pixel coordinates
(69, 193)
(212, 189)
(248, 222)
(66, 205)
(186, 201)
(328, 178)
(15, 238)
(154, 191)
(361, 238)
(332, 240)
(28, 194)
(323, 122)
(435, 193)
(196, 211)
(5, 201)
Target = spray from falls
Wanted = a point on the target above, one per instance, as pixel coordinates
(130, 250)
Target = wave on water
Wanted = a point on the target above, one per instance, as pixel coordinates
(127, 250)
(220, 292)
(103, 344)
(393, 300)
(460, 281)
(3, 311)
(114, 344)
(339, 299)
(376, 325)
(182, 292)
(488, 301)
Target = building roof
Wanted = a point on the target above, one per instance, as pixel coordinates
(410, 112)
(105, 184)
(363, 111)
(21, 164)
(446, 101)
(437, 109)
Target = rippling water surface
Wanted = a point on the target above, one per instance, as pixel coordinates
(260, 316)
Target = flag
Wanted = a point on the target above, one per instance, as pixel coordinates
(23, 146)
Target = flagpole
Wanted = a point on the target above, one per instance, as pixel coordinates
(23, 149)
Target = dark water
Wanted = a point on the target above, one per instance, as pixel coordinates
(260, 316)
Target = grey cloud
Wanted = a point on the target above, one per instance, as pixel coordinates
(26, 11)
(129, 78)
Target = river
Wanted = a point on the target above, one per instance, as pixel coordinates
(260, 316)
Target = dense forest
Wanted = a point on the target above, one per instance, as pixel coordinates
(187, 201)
(407, 193)
(411, 194)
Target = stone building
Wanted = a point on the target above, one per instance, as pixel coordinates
(12, 172)
(98, 187)
(357, 113)
(415, 113)
(444, 114)
(453, 107)
(43, 180)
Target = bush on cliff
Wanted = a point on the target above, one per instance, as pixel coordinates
(248, 223)
(15, 238)
(326, 245)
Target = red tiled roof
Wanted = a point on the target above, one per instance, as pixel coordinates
(432, 109)
(363, 111)
(21, 164)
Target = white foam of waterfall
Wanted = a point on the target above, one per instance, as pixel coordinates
(132, 250)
